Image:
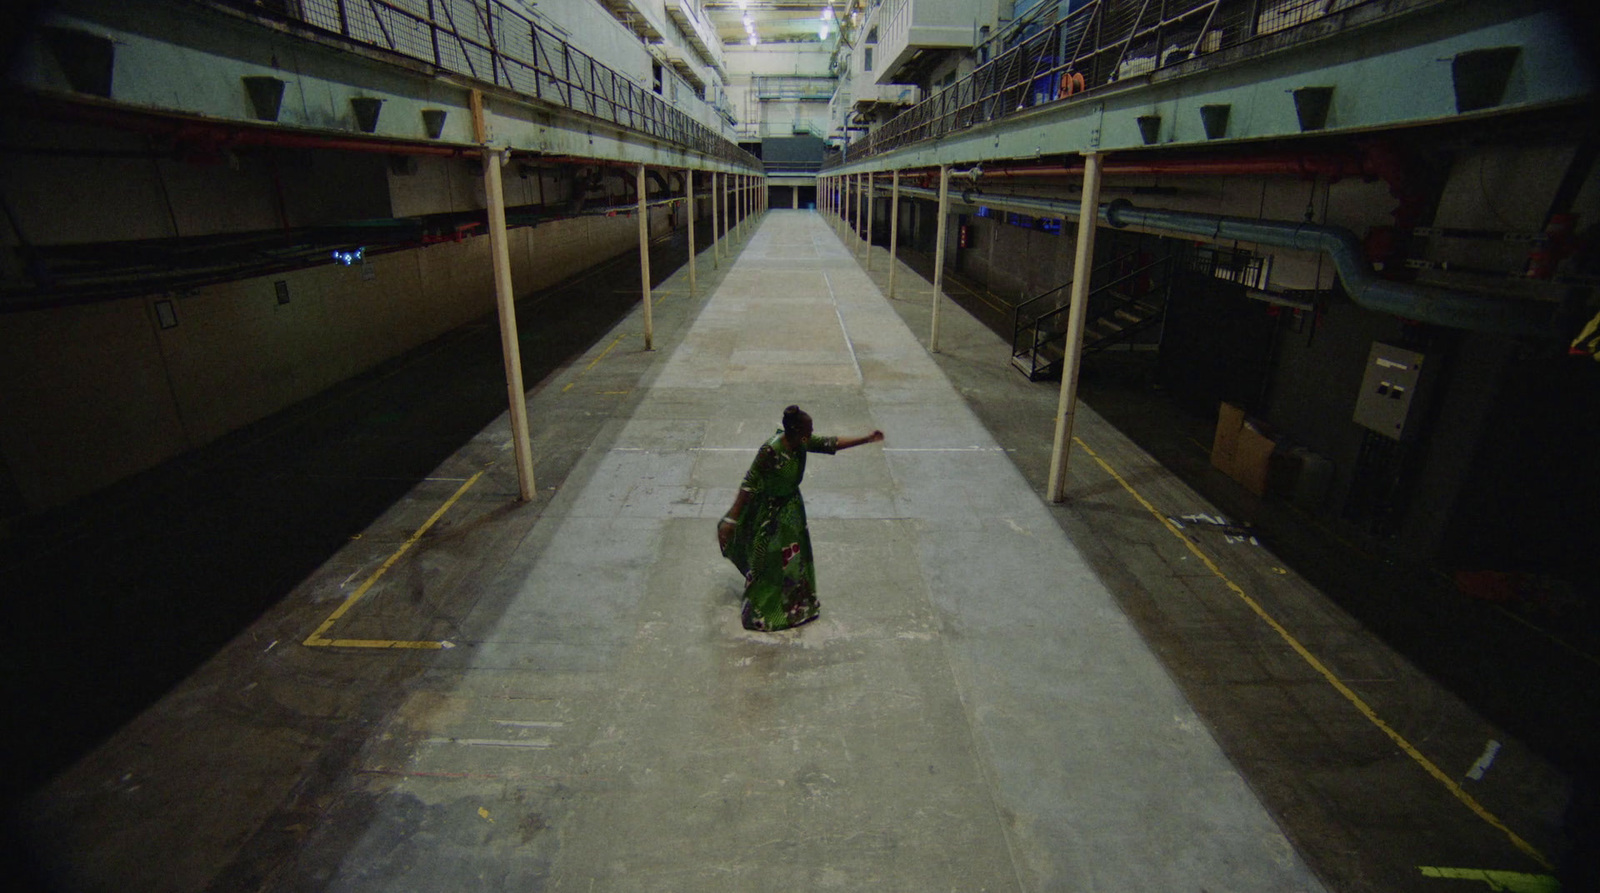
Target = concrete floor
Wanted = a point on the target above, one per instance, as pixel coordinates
(1001, 694)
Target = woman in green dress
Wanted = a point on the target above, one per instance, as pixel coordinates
(764, 534)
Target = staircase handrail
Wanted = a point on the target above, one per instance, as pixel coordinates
(1037, 342)
(1016, 312)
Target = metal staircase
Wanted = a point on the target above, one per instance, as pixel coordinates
(1128, 295)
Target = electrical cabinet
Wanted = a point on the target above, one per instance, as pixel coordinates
(1388, 389)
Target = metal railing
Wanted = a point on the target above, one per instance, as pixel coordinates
(1097, 45)
(490, 41)
(1037, 344)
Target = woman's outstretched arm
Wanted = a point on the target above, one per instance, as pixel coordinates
(846, 443)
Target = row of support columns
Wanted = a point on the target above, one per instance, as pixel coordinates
(737, 200)
(839, 196)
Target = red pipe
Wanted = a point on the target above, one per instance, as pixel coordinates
(1377, 160)
(219, 135)
(1335, 166)
(229, 136)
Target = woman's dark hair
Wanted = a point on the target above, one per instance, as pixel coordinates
(793, 417)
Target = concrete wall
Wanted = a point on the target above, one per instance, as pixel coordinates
(759, 118)
(1014, 261)
(96, 393)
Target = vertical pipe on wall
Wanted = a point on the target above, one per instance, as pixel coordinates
(1082, 263)
(505, 300)
(688, 190)
(644, 259)
(894, 228)
(938, 253)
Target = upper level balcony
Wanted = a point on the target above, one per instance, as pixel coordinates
(907, 27)
(1127, 74)
(698, 32)
(632, 14)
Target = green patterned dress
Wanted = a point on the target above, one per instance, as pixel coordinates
(771, 545)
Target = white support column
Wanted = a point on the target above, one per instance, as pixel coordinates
(1082, 264)
(938, 254)
(688, 191)
(867, 229)
(716, 233)
(844, 205)
(794, 198)
(894, 229)
(644, 259)
(861, 204)
(505, 301)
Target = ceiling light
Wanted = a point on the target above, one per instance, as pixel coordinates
(822, 33)
(742, 3)
(754, 40)
(749, 21)
(827, 13)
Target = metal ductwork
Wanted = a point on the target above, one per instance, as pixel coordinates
(1438, 306)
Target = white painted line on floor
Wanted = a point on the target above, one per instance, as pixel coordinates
(843, 328)
(971, 449)
(529, 724)
(492, 742)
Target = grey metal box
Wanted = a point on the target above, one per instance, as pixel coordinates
(1388, 389)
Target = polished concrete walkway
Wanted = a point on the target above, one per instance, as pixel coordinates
(971, 712)
(975, 710)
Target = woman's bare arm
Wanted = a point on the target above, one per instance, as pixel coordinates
(846, 443)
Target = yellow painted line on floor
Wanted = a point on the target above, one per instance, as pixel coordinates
(1305, 653)
(596, 360)
(614, 343)
(1513, 881)
(319, 639)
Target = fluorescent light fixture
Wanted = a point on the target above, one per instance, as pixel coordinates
(822, 33)
(754, 40)
(749, 21)
(827, 13)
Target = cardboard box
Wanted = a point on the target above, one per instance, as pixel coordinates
(1230, 419)
(1252, 459)
(1244, 451)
